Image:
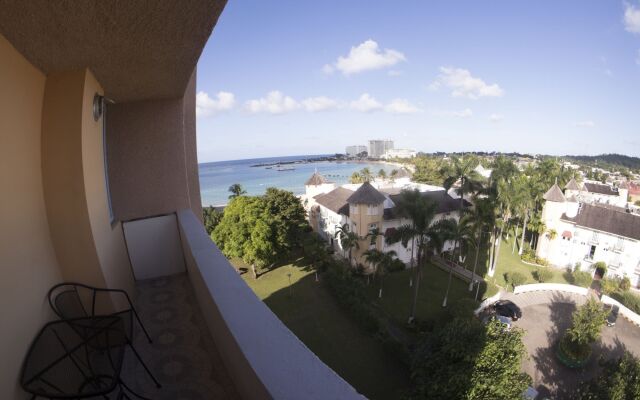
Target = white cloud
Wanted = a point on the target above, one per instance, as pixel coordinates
(466, 113)
(206, 106)
(463, 84)
(394, 72)
(366, 103)
(401, 106)
(274, 103)
(496, 118)
(321, 103)
(365, 57)
(632, 18)
(585, 124)
(608, 72)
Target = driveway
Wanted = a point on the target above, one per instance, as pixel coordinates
(544, 324)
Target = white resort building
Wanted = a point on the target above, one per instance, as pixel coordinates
(368, 206)
(589, 227)
(595, 192)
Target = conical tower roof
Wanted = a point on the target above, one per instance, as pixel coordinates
(316, 180)
(366, 194)
(572, 185)
(554, 194)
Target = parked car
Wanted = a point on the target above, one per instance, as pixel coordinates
(503, 320)
(507, 308)
(613, 316)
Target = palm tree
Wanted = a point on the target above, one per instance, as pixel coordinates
(236, 190)
(461, 234)
(366, 174)
(393, 175)
(382, 261)
(463, 170)
(382, 174)
(348, 240)
(427, 235)
(478, 218)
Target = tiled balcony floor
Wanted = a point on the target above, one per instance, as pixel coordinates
(183, 356)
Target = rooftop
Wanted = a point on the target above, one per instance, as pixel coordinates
(613, 220)
(600, 189)
(554, 194)
(366, 194)
(316, 179)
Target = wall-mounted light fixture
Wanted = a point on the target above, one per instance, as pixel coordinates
(99, 104)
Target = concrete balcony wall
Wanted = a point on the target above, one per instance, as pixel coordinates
(151, 153)
(89, 247)
(27, 258)
(264, 358)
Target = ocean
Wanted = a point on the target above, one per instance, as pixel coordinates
(216, 177)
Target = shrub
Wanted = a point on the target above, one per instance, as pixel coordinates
(602, 266)
(581, 278)
(608, 286)
(543, 275)
(515, 278)
(349, 291)
(396, 265)
(629, 300)
(625, 284)
(530, 257)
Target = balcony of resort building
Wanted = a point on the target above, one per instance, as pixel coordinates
(99, 179)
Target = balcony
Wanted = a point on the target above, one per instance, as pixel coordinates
(213, 338)
(183, 356)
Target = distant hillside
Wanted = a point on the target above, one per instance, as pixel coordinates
(608, 160)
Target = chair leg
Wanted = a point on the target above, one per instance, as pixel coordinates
(135, 313)
(144, 365)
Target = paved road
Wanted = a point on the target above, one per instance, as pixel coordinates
(545, 317)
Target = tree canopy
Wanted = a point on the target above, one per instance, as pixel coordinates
(619, 380)
(261, 229)
(464, 359)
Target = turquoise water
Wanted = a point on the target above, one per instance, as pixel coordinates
(216, 177)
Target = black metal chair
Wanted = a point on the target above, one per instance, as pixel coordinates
(72, 301)
(63, 364)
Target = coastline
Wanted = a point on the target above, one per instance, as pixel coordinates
(216, 177)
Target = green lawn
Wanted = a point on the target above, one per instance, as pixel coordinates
(311, 312)
(397, 295)
(509, 263)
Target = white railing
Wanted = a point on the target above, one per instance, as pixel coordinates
(562, 287)
(487, 302)
(622, 310)
(263, 357)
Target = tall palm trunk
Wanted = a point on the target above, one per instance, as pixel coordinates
(416, 287)
(524, 230)
(475, 264)
(497, 251)
(492, 249)
(515, 239)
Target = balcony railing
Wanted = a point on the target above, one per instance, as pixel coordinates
(263, 357)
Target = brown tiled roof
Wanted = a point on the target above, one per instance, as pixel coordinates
(554, 194)
(335, 200)
(366, 194)
(600, 188)
(607, 219)
(444, 202)
(316, 179)
(572, 185)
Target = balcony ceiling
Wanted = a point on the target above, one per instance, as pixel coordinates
(142, 49)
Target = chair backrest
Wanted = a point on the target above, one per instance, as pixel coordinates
(67, 301)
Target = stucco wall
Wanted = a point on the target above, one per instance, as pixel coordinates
(88, 248)
(108, 238)
(151, 151)
(28, 263)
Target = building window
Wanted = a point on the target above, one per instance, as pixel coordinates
(372, 210)
(353, 209)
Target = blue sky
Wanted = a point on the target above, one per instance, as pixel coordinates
(309, 77)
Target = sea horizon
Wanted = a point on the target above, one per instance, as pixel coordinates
(216, 176)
